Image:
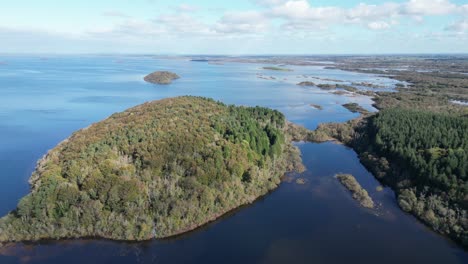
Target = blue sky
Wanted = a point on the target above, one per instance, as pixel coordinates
(234, 27)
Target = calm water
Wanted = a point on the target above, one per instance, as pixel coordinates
(43, 100)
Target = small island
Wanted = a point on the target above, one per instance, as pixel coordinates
(316, 106)
(348, 88)
(306, 83)
(339, 92)
(327, 86)
(156, 170)
(355, 108)
(337, 86)
(359, 193)
(369, 85)
(161, 77)
(272, 68)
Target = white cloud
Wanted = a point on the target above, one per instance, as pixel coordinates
(301, 15)
(280, 19)
(114, 13)
(459, 26)
(290, 16)
(299, 10)
(34, 40)
(186, 8)
(182, 23)
(378, 25)
(130, 28)
(464, 10)
(242, 22)
(268, 3)
(428, 7)
(372, 12)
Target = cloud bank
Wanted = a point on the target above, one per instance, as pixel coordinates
(270, 19)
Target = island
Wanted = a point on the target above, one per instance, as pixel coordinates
(337, 86)
(271, 68)
(327, 86)
(306, 83)
(359, 193)
(317, 106)
(199, 60)
(371, 85)
(355, 108)
(156, 170)
(161, 77)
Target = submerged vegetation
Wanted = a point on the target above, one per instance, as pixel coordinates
(301, 181)
(155, 170)
(359, 193)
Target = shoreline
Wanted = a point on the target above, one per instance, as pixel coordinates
(288, 161)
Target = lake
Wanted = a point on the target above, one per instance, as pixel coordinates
(44, 99)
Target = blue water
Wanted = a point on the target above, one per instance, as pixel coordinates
(44, 99)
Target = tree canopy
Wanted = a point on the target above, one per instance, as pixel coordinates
(424, 156)
(155, 170)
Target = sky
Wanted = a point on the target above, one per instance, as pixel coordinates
(234, 27)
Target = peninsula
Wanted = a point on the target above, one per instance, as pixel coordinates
(156, 170)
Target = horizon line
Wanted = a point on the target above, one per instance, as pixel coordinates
(230, 55)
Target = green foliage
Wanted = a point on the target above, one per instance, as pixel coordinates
(433, 147)
(360, 194)
(422, 155)
(355, 108)
(155, 170)
(428, 164)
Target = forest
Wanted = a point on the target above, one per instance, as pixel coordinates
(155, 170)
(424, 157)
(417, 143)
